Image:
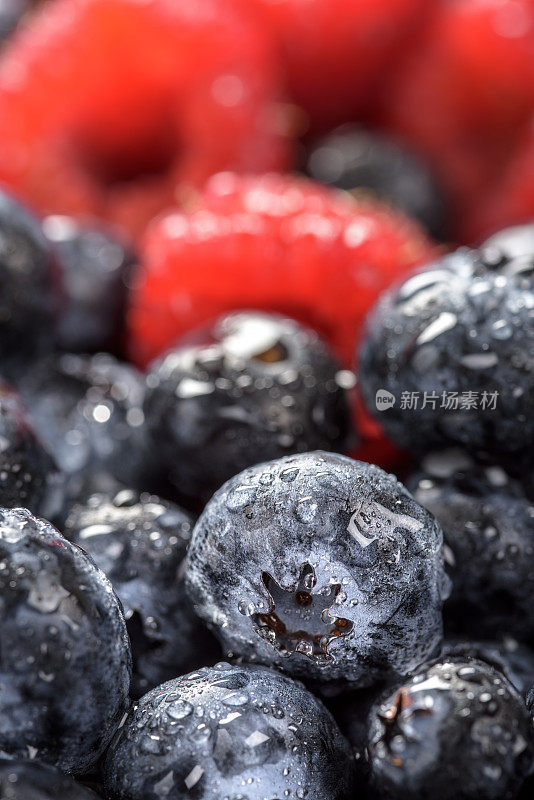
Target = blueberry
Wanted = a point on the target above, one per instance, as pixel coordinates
(488, 527)
(511, 251)
(139, 542)
(29, 780)
(248, 388)
(27, 299)
(88, 411)
(321, 566)
(457, 730)
(514, 659)
(356, 159)
(229, 732)
(95, 266)
(458, 339)
(28, 474)
(65, 659)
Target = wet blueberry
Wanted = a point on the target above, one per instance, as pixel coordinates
(249, 388)
(321, 566)
(27, 301)
(488, 528)
(65, 657)
(139, 542)
(356, 159)
(28, 475)
(511, 251)
(29, 780)
(229, 732)
(454, 347)
(457, 730)
(95, 266)
(88, 411)
(514, 659)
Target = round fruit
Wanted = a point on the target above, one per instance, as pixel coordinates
(221, 731)
(321, 566)
(65, 661)
(250, 387)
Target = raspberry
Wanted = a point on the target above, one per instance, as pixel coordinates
(337, 52)
(110, 107)
(466, 92)
(510, 200)
(276, 243)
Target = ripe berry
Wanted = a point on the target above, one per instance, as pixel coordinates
(356, 160)
(226, 730)
(65, 660)
(139, 542)
(453, 346)
(488, 528)
(29, 780)
(465, 96)
(508, 656)
(28, 474)
(95, 266)
(27, 296)
(457, 729)
(276, 243)
(338, 54)
(144, 102)
(249, 387)
(509, 199)
(321, 566)
(88, 411)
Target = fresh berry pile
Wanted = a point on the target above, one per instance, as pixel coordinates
(266, 399)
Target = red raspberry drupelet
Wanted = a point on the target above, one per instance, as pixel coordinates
(116, 108)
(273, 242)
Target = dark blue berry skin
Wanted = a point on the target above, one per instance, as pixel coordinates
(88, 412)
(27, 286)
(356, 159)
(139, 542)
(321, 566)
(459, 326)
(65, 659)
(229, 732)
(95, 266)
(28, 474)
(248, 388)
(30, 780)
(456, 730)
(508, 656)
(488, 528)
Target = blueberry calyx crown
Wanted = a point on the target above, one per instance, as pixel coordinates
(299, 621)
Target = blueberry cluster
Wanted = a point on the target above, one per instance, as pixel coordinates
(377, 637)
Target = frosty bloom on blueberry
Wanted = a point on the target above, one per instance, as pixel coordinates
(322, 566)
(225, 732)
(65, 659)
(463, 328)
(456, 730)
(488, 528)
(139, 541)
